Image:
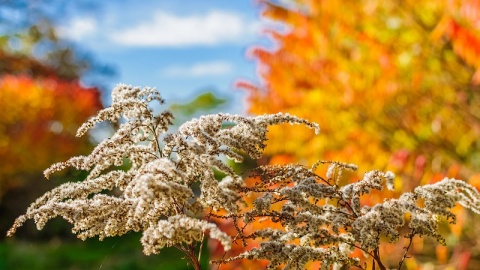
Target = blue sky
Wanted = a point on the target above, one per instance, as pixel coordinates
(180, 47)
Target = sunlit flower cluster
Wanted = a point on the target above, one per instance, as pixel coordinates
(169, 181)
(148, 179)
(325, 222)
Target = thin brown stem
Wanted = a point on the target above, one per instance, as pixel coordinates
(362, 249)
(376, 257)
(407, 248)
(189, 251)
(155, 137)
(201, 247)
(191, 254)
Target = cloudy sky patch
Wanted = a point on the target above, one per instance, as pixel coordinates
(78, 29)
(213, 68)
(170, 30)
(181, 47)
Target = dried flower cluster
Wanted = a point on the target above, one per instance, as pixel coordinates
(323, 221)
(170, 184)
(158, 193)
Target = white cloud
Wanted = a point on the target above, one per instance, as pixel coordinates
(78, 29)
(213, 68)
(170, 30)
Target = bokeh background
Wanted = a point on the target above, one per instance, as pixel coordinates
(394, 85)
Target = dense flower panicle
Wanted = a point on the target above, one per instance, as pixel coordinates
(170, 183)
(446, 193)
(335, 170)
(178, 229)
(157, 191)
(322, 221)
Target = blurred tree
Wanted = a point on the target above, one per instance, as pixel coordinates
(393, 84)
(205, 102)
(38, 124)
(28, 36)
(19, 57)
(382, 75)
(42, 100)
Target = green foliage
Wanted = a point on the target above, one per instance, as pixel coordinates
(113, 253)
(204, 102)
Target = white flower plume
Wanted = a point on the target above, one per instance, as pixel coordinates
(157, 191)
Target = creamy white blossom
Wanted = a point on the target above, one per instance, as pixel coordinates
(170, 185)
(323, 221)
(158, 194)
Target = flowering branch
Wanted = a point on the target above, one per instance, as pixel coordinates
(156, 192)
(321, 219)
(325, 222)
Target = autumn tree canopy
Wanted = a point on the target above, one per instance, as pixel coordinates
(42, 101)
(38, 123)
(393, 84)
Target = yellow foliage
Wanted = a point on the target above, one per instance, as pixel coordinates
(38, 124)
(393, 85)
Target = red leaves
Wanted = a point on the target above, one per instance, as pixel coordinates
(38, 124)
(389, 83)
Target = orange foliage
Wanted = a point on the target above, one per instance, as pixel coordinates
(392, 84)
(38, 124)
(374, 79)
